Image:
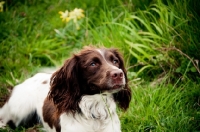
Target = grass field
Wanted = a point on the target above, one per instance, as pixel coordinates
(159, 40)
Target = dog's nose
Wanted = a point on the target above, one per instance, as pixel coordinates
(116, 75)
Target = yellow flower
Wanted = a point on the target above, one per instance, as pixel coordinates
(1, 6)
(76, 14)
(72, 15)
(64, 15)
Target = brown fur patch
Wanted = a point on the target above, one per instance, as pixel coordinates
(51, 115)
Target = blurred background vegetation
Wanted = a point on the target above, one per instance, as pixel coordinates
(160, 41)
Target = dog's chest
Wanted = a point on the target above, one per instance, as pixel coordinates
(81, 124)
(98, 114)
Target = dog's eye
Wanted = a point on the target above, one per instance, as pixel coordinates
(92, 64)
(115, 61)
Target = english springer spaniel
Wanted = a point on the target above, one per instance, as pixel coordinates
(79, 97)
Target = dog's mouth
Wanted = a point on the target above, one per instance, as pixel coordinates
(114, 89)
(107, 89)
(117, 87)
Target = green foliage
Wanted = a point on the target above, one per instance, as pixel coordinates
(149, 35)
(164, 108)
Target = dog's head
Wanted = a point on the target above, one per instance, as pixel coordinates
(91, 71)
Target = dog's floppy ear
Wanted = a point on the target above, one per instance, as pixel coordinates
(123, 97)
(65, 90)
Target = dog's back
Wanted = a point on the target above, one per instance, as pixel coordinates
(25, 103)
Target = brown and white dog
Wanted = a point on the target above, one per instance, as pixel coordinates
(79, 97)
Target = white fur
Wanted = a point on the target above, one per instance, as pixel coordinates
(98, 111)
(99, 115)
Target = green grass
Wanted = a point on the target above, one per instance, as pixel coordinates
(159, 40)
(162, 108)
